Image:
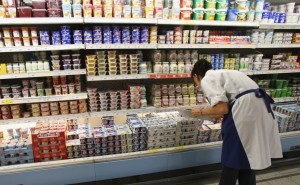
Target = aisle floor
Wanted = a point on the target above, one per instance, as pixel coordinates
(285, 175)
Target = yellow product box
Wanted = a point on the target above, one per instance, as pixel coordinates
(149, 12)
(3, 69)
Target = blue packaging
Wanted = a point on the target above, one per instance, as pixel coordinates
(77, 37)
(77, 32)
(267, 6)
(282, 17)
(66, 41)
(232, 15)
(44, 33)
(45, 42)
(97, 32)
(88, 41)
(77, 41)
(88, 37)
(97, 41)
(272, 16)
(97, 28)
(56, 33)
(97, 37)
(276, 17)
(56, 41)
(265, 15)
(66, 37)
(65, 28)
(87, 32)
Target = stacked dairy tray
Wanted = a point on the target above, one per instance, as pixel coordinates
(16, 147)
(284, 122)
(161, 132)
(77, 135)
(49, 141)
(292, 110)
(186, 131)
(139, 133)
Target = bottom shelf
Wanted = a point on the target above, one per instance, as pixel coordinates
(121, 165)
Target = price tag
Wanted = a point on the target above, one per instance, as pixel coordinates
(7, 101)
(153, 150)
(179, 147)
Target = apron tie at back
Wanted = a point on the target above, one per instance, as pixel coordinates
(259, 93)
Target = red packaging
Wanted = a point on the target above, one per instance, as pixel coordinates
(185, 14)
(39, 4)
(39, 13)
(54, 13)
(24, 11)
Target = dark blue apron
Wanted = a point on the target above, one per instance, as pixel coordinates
(233, 153)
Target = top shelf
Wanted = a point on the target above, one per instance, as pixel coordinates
(35, 21)
(96, 20)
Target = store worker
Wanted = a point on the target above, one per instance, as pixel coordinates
(249, 129)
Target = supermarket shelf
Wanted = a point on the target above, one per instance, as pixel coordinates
(278, 46)
(134, 155)
(43, 74)
(93, 20)
(43, 99)
(121, 46)
(137, 76)
(206, 46)
(42, 48)
(116, 77)
(276, 71)
(285, 26)
(207, 23)
(142, 111)
(287, 99)
(34, 21)
(44, 118)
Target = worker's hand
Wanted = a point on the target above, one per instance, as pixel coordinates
(196, 112)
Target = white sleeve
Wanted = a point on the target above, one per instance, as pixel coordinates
(213, 90)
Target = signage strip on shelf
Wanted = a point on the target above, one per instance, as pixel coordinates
(121, 46)
(44, 118)
(278, 46)
(43, 74)
(96, 159)
(93, 20)
(285, 26)
(42, 48)
(43, 99)
(36, 20)
(143, 110)
(286, 99)
(137, 76)
(205, 46)
(207, 23)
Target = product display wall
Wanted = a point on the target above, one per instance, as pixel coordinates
(57, 100)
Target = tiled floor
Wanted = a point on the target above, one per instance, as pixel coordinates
(286, 175)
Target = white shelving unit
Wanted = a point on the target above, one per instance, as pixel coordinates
(96, 20)
(121, 46)
(43, 74)
(287, 99)
(207, 23)
(137, 76)
(284, 26)
(278, 46)
(276, 71)
(205, 46)
(35, 21)
(61, 163)
(44, 118)
(143, 111)
(42, 48)
(43, 99)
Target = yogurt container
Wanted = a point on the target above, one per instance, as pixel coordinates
(198, 4)
(210, 4)
(209, 14)
(232, 15)
(221, 14)
(241, 5)
(250, 15)
(222, 4)
(258, 16)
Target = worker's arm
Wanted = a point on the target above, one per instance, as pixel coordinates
(221, 108)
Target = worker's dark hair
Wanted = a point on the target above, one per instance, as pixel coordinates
(200, 68)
